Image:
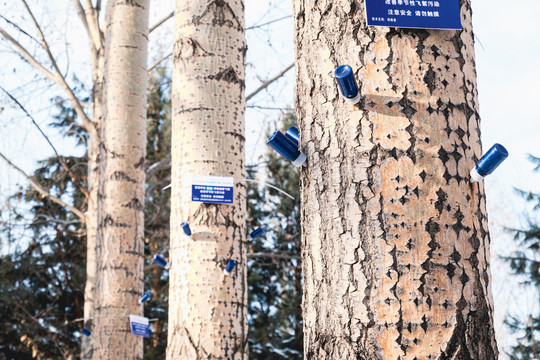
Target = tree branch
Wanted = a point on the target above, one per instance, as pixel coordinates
(44, 192)
(268, 23)
(267, 83)
(81, 13)
(92, 19)
(158, 62)
(29, 57)
(59, 78)
(158, 166)
(60, 160)
(159, 23)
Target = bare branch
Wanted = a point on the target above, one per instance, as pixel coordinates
(60, 160)
(29, 57)
(44, 192)
(159, 23)
(58, 78)
(163, 164)
(270, 108)
(49, 219)
(19, 28)
(268, 23)
(92, 19)
(284, 256)
(267, 83)
(158, 62)
(81, 13)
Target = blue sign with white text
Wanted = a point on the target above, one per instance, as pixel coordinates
(139, 325)
(441, 14)
(212, 189)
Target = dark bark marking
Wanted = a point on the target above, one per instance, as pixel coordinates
(430, 79)
(189, 47)
(139, 163)
(109, 221)
(228, 75)
(442, 196)
(121, 176)
(134, 204)
(132, 3)
(220, 14)
(235, 134)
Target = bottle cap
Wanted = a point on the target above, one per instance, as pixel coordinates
(256, 233)
(161, 261)
(492, 159)
(347, 84)
(146, 297)
(185, 227)
(230, 266)
(284, 146)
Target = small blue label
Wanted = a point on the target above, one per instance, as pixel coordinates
(441, 14)
(212, 189)
(139, 325)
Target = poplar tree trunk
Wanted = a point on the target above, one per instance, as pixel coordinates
(207, 309)
(92, 214)
(395, 236)
(119, 281)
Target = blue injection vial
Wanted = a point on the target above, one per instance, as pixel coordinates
(185, 227)
(347, 84)
(230, 266)
(292, 134)
(489, 162)
(85, 332)
(161, 261)
(286, 148)
(255, 233)
(146, 297)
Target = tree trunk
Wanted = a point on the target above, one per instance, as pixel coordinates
(119, 249)
(93, 184)
(396, 243)
(207, 309)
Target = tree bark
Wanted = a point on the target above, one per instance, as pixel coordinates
(395, 236)
(97, 57)
(207, 309)
(119, 250)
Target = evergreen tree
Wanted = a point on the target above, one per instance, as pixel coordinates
(526, 262)
(42, 281)
(274, 268)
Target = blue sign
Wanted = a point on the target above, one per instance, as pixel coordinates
(212, 189)
(441, 14)
(139, 325)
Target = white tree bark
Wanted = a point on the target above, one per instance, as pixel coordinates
(119, 281)
(207, 309)
(396, 243)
